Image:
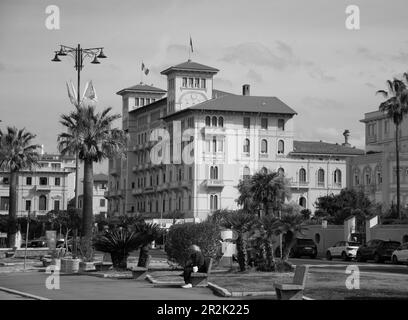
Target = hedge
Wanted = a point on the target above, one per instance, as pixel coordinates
(181, 236)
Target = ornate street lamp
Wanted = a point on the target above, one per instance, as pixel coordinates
(79, 55)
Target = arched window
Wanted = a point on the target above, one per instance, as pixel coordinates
(302, 202)
(302, 175)
(337, 177)
(207, 121)
(264, 170)
(246, 146)
(221, 121)
(214, 172)
(281, 171)
(213, 202)
(42, 203)
(214, 121)
(246, 173)
(281, 147)
(264, 146)
(320, 178)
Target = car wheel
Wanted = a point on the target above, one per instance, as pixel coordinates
(344, 256)
(377, 258)
(359, 257)
(328, 255)
(395, 260)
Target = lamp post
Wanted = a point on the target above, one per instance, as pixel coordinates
(79, 55)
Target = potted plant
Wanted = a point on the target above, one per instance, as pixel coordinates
(119, 243)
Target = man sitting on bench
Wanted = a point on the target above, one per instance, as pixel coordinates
(196, 263)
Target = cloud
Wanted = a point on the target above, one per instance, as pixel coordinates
(368, 54)
(253, 75)
(322, 103)
(317, 73)
(255, 53)
(400, 57)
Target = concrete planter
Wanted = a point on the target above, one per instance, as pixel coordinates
(70, 265)
(56, 262)
(86, 266)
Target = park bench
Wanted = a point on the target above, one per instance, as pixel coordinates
(294, 290)
(200, 279)
(140, 273)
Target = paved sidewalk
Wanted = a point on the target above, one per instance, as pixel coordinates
(81, 287)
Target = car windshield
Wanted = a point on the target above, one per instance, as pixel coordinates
(391, 244)
(306, 241)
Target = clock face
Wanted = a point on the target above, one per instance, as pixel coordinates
(191, 98)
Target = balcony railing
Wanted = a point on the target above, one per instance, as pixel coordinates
(43, 188)
(214, 183)
(137, 191)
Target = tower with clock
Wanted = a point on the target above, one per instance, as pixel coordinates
(189, 83)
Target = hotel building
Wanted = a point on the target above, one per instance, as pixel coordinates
(213, 139)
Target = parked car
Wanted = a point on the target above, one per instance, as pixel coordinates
(377, 250)
(346, 250)
(39, 243)
(302, 247)
(400, 255)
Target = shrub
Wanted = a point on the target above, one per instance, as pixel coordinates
(119, 243)
(181, 236)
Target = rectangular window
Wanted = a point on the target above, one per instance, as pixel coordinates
(202, 83)
(197, 83)
(184, 85)
(247, 122)
(264, 123)
(137, 102)
(281, 124)
(190, 82)
(142, 102)
(29, 181)
(56, 165)
(386, 128)
(28, 205)
(43, 181)
(147, 100)
(56, 205)
(4, 203)
(102, 203)
(6, 180)
(57, 181)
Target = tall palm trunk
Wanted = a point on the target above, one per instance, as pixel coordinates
(12, 228)
(87, 212)
(270, 257)
(398, 171)
(242, 255)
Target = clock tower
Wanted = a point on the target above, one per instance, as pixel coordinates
(188, 83)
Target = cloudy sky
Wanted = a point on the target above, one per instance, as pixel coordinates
(299, 51)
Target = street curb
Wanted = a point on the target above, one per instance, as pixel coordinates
(220, 290)
(150, 279)
(23, 294)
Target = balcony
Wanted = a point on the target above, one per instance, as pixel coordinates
(299, 184)
(214, 183)
(137, 191)
(213, 131)
(106, 194)
(43, 188)
(185, 184)
(149, 189)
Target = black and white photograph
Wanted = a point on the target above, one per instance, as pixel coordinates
(203, 156)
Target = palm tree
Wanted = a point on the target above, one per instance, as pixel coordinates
(290, 226)
(241, 222)
(119, 243)
(16, 153)
(269, 187)
(396, 106)
(245, 198)
(90, 134)
(269, 228)
(147, 233)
